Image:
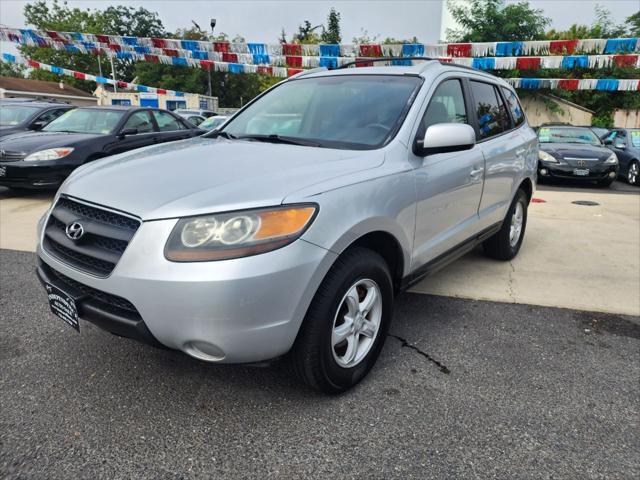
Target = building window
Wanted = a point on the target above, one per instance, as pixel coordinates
(176, 104)
(121, 101)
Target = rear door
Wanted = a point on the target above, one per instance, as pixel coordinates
(448, 185)
(502, 147)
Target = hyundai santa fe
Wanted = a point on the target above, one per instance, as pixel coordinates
(288, 232)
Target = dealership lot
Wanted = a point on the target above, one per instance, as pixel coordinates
(464, 388)
(488, 390)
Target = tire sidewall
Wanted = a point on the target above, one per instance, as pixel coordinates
(520, 197)
(339, 377)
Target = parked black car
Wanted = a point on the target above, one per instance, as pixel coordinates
(575, 153)
(25, 116)
(625, 142)
(44, 159)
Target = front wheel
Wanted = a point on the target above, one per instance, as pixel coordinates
(346, 324)
(505, 244)
(633, 175)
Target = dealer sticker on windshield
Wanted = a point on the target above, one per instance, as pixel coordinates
(63, 306)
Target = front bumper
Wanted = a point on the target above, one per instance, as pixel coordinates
(34, 174)
(564, 171)
(232, 311)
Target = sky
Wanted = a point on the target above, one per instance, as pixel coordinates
(263, 20)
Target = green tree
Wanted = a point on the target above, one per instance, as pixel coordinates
(633, 24)
(332, 33)
(493, 20)
(602, 27)
(115, 20)
(9, 69)
(306, 33)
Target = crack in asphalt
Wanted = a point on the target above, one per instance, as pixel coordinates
(437, 363)
(510, 292)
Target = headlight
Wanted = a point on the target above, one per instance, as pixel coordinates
(49, 154)
(237, 234)
(546, 157)
(612, 160)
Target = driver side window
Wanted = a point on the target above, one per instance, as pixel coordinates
(446, 106)
(140, 121)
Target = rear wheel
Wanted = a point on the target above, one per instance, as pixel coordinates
(347, 323)
(633, 175)
(505, 244)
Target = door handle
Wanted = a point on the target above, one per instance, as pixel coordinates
(476, 172)
(520, 151)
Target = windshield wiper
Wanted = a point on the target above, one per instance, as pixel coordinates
(223, 134)
(280, 139)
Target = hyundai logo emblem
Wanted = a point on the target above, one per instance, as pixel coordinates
(75, 231)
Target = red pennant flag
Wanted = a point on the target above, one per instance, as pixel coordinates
(230, 57)
(528, 63)
(103, 38)
(265, 69)
(562, 47)
(115, 47)
(363, 64)
(569, 84)
(158, 42)
(151, 58)
(291, 49)
(292, 71)
(459, 49)
(625, 60)
(161, 91)
(33, 63)
(222, 47)
(293, 61)
(206, 64)
(370, 51)
(79, 75)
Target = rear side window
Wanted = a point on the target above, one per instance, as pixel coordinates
(490, 110)
(446, 105)
(167, 122)
(514, 106)
(50, 115)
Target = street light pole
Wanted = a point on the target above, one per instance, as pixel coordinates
(113, 75)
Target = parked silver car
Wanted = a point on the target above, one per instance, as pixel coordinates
(290, 231)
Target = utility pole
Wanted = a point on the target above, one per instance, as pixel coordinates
(113, 75)
(100, 66)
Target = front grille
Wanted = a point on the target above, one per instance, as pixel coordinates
(97, 251)
(105, 300)
(7, 156)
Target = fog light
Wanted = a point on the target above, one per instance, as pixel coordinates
(204, 351)
(543, 171)
(612, 174)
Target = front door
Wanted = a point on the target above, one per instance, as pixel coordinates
(448, 185)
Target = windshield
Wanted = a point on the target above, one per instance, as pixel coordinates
(344, 111)
(568, 135)
(15, 114)
(213, 122)
(90, 120)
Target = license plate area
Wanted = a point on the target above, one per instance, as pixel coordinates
(63, 306)
(581, 172)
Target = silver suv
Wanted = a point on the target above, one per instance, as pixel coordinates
(289, 232)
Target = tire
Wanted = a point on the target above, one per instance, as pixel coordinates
(633, 174)
(314, 358)
(500, 246)
(605, 183)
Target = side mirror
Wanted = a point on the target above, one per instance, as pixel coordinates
(607, 141)
(445, 137)
(128, 131)
(37, 126)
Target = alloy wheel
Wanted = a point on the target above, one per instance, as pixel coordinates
(356, 324)
(517, 219)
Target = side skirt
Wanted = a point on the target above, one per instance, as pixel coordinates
(449, 256)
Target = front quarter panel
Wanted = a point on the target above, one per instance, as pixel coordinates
(383, 203)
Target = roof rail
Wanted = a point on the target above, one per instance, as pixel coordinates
(380, 59)
(304, 73)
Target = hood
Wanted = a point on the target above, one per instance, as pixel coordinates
(576, 150)
(29, 141)
(9, 129)
(204, 175)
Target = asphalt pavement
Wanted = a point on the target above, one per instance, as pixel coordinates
(463, 389)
